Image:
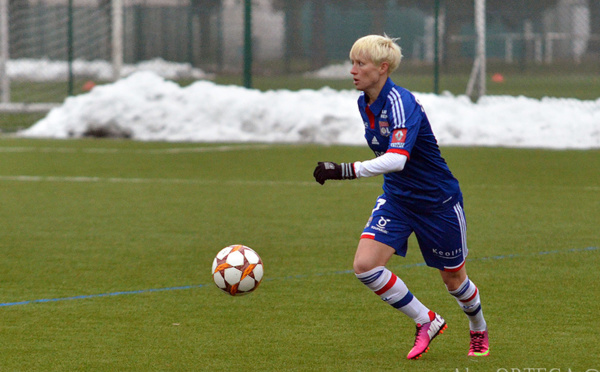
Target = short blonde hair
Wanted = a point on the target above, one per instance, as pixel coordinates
(378, 49)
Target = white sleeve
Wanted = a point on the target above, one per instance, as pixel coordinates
(386, 163)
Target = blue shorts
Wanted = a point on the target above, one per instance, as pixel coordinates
(442, 236)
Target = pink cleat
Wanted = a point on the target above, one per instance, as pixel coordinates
(479, 344)
(425, 333)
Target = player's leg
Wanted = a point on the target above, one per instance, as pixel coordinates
(369, 267)
(443, 241)
(467, 295)
(387, 234)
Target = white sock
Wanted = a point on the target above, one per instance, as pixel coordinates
(467, 296)
(392, 290)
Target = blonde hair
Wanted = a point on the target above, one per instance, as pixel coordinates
(378, 49)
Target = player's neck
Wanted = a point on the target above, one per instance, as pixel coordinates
(371, 96)
(372, 93)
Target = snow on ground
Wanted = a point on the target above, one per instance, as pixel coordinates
(145, 106)
(52, 70)
(341, 71)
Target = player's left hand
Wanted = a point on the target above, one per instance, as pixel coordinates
(332, 171)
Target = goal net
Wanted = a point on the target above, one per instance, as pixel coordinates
(49, 48)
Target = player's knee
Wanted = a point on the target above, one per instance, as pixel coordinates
(371, 254)
(453, 280)
(362, 266)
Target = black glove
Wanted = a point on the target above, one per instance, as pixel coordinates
(333, 171)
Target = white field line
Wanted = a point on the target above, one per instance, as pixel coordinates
(27, 178)
(172, 150)
(532, 187)
(361, 183)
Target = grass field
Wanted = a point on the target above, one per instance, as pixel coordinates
(107, 247)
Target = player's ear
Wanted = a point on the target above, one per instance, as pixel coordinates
(384, 68)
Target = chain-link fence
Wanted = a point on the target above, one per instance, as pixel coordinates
(534, 47)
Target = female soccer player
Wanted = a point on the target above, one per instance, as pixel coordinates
(420, 195)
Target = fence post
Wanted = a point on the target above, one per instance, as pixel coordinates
(70, 47)
(248, 43)
(4, 52)
(478, 73)
(481, 36)
(117, 38)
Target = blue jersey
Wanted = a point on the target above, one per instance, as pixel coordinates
(396, 122)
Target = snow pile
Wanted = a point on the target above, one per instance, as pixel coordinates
(341, 71)
(52, 70)
(145, 106)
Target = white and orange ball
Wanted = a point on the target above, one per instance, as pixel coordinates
(237, 270)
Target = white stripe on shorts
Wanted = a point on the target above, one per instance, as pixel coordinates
(460, 214)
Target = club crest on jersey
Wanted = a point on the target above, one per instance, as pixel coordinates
(384, 128)
(399, 137)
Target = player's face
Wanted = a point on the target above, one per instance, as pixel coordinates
(366, 74)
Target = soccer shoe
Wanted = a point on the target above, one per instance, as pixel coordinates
(425, 333)
(479, 344)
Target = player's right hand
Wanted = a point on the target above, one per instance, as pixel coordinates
(332, 171)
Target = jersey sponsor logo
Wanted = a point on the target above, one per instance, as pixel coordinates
(399, 138)
(381, 225)
(447, 254)
(374, 141)
(383, 221)
(384, 128)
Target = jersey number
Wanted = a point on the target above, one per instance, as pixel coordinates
(380, 203)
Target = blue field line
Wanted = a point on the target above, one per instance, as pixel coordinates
(83, 297)
(187, 287)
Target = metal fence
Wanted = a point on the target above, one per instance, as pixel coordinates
(292, 37)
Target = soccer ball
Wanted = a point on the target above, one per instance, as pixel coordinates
(237, 270)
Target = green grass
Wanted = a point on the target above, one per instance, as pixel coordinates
(94, 217)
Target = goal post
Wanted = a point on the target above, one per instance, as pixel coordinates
(117, 38)
(477, 79)
(4, 39)
(50, 49)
